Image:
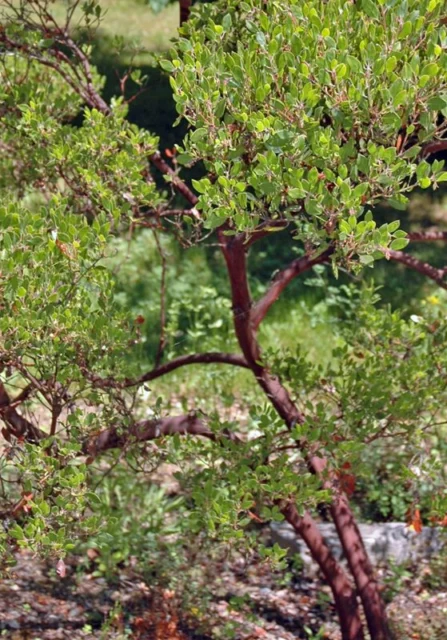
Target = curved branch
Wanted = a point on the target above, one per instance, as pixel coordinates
(281, 280)
(236, 260)
(427, 236)
(212, 357)
(426, 269)
(146, 430)
(434, 147)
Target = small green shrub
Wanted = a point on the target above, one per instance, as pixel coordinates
(141, 524)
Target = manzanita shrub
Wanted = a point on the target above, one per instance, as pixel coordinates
(302, 116)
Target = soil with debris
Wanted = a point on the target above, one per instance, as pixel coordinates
(38, 604)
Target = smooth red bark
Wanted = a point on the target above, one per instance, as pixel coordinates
(344, 596)
(235, 258)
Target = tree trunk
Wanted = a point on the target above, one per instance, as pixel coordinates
(359, 564)
(361, 568)
(344, 596)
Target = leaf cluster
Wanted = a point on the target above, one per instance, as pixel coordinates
(297, 118)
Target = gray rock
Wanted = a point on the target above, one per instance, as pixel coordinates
(384, 542)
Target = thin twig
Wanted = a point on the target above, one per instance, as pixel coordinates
(162, 341)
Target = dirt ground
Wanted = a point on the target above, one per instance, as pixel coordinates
(37, 604)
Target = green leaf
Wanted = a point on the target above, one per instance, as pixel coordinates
(184, 158)
(360, 190)
(391, 64)
(398, 244)
(340, 71)
(400, 98)
(260, 39)
(393, 226)
(227, 22)
(220, 108)
(370, 8)
(423, 80)
(295, 193)
(201, 185)
(397, 204)
(406, 30)
(425, 183)
(437, 103)
(198, 134)
(366, 258)
(430, 70)
(166, 65)
(354, 64)
(412, 152)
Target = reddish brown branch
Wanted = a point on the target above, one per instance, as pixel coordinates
(15, 424)
(342, 590)
(211, 357)
(264, 229)
(22, 396)
(282, 279)
(178, 184)
(278, 395)
(185, 9)
(146, 430)
(426, 269)
(434, 147)
(427, 236)
(360, 566)
(235, 258)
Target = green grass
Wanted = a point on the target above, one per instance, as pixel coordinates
(222, 387)
(134, 21)
(289, 324)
